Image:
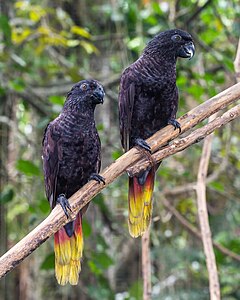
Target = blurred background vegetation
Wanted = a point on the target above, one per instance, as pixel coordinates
(45, 47)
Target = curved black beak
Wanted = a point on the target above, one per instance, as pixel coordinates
(98, 96)
(187, 50)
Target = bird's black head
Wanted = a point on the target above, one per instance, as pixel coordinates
(172, 43)
(85, 93)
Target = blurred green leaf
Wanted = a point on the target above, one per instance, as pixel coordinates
(48, 263)
(216, 185)
(80, 31)
(99, 262)
(136, 290)
(56, 99)
(7, 195)
(87, 229)
(27, 167)
(44, 205)
(17, 84)
(6, 29)
(103, 260)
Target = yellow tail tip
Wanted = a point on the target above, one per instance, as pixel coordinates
(68, 253)
(138, 229)
(140, 204)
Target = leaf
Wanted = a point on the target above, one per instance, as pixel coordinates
(94, 268)
(116, 154)
(87, 229)
(88, 47)
(6, 29)
(27, 167)
(17, 84)
(102, 260)
(216, 185)
(73, 43)
(48, 262)
(18, 60)
(6, 195)
(80, 31)
(20, 35)
(55, 99)
(44, 206)
(136, 290)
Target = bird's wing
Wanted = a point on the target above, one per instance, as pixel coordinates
(126, 102)
(51, 157)
(98, 165)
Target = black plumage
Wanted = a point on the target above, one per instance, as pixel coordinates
(71, 150)
(148, 97)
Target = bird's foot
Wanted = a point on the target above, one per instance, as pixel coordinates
(97, 178)
(175, 124)
(63, 201)
(143, 144)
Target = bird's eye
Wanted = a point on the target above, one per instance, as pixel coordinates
(176, 38)
(83, 87)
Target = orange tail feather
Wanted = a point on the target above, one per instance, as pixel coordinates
(140, 204)
(68, 252)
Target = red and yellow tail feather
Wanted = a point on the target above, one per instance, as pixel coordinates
(140, 204)
(68, 252)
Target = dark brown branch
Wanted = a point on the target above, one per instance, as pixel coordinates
(57, 218)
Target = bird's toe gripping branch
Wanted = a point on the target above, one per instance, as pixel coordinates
(63, 201)
(143, 144)
(97, 178)
(175, 124)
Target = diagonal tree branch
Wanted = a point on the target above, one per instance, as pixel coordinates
(181, 144)
(57, 219)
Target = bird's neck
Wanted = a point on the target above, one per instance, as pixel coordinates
(79, 117)
(157, 65)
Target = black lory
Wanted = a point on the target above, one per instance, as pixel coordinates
(71, 157)
(148, 101)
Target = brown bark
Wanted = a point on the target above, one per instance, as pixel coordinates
(146, 266)
(237, 62)
(57, 218)
(181, 144)
(214, 287)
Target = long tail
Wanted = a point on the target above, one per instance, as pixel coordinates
(140, 202)
(68, 252)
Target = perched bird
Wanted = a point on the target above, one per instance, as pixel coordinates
(148, 101)
(71, 157)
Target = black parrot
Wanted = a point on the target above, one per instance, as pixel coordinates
(71, 157)
(148, 101)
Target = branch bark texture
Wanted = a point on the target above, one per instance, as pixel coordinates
(237, 62)
(57, 219)
(214, 287)
(181, 144)
(146, 266)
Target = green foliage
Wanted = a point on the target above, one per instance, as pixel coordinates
(48, 262)
(6, 29)
(7, 195)
(27, 167)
